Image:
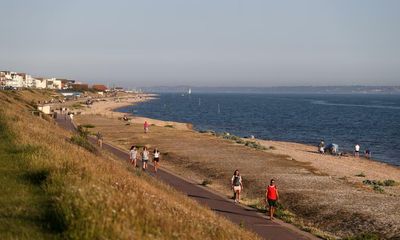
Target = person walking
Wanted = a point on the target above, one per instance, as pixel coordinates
(357, 150)
(145, 158)
(99, 137)
(237, 185)
(156, 159)
(368, 153)
(271, 197)
(146, 126)
(133, 156)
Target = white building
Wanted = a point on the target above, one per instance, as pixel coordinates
(27, 80)
(53, 83)
(40, 83)
(12, 79)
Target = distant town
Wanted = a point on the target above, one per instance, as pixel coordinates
(10, 80)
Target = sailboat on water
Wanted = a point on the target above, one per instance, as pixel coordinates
(188, 92)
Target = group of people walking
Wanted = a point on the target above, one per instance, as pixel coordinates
(144, 156)
(271, 192)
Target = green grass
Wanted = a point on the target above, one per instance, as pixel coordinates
(82, 141)
(364, 236)
(76, 106)
(26, 210)
(378, 185)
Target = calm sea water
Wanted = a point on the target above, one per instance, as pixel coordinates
(373, 121)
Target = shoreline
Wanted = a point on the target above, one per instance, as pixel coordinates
(334, 186)
(264, 142)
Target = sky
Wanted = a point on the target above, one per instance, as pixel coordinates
(204, 42)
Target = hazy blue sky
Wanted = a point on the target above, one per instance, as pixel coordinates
(204, 43)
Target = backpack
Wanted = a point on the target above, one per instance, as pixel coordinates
(236, 181)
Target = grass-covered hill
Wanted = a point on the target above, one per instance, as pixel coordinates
(52, 188)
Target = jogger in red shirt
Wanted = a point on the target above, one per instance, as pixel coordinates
(271, 196)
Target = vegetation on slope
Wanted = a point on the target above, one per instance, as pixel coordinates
(55, 189)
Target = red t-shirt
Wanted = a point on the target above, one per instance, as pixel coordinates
(271, 192)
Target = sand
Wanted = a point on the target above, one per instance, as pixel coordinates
(322, 190)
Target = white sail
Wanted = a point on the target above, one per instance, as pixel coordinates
(190, 91)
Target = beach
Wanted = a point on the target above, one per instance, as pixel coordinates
(323, 194)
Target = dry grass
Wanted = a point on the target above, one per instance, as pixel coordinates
(101, 198)
(317, 202)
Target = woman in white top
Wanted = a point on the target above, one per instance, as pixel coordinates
(237, 185)
(133, 155)
(156, 159)
(145, 158)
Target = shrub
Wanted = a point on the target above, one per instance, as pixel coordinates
(255, 145)
(360, 175)
(364, 236)
(83, 142)
(206, 182)
(88, 126)
(378, 188)
(390, 182)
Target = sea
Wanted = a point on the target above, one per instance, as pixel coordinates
(371, 120)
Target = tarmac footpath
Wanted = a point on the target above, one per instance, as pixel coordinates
(246, 217)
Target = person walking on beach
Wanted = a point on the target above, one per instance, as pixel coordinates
(145, 158)
(133, 156)
(146, 126)
(237, 185)
(156, 159)
(368, 153)
(271, 197)
(99, 137)
(357, 150)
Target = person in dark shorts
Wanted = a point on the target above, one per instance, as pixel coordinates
(368, 153)
(271, 197)
(156, 159)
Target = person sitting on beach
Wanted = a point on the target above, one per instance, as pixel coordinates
(133, 155)
(271, 197)
(145, 158)
(357, 150)
(146, 126)
(99, 137)
(125, 118)
(237, 185)
(156, 159)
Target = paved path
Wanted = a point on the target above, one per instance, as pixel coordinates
(247, 217)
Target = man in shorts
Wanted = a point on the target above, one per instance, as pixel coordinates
(271, 197)
(357, 150)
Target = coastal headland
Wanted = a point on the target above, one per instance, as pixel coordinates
(327, 195)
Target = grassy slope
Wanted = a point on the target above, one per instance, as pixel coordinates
(25, 205)
(86, 196)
